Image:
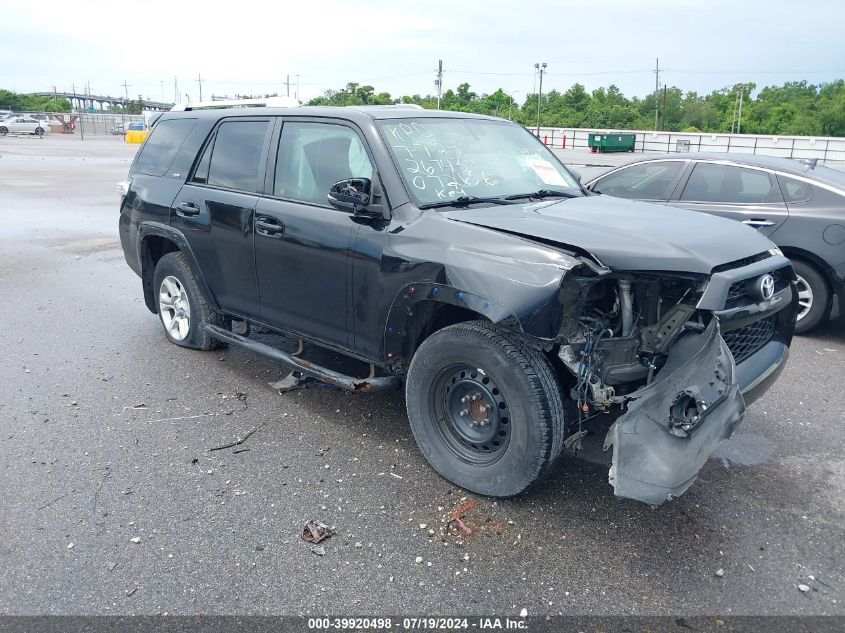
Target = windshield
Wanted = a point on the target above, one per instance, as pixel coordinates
(446, 159)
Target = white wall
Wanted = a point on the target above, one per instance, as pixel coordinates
(826, 149)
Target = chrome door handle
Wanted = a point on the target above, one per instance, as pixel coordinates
(758, 222)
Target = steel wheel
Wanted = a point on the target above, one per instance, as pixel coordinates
(3, 131)
(472, 414)
(805, 297)
(175, 308)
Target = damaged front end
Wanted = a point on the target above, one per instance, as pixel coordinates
(672, 425)
(640, 349)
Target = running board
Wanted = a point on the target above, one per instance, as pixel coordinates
(301, 365)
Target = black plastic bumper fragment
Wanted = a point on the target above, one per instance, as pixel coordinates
(323, 374)
(657, 451)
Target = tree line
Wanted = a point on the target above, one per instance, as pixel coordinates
(795, 108)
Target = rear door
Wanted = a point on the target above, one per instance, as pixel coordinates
(215, 210)
(748, 194)
(302, 244)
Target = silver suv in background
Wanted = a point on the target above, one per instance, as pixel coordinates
(799, 205)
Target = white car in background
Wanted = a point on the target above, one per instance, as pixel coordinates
(23, 124)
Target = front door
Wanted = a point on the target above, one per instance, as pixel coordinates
(302, 244)
(215, 211)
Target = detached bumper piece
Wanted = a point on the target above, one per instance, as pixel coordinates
(322, 374)
(673, 425)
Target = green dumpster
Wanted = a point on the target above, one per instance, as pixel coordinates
(611, 142)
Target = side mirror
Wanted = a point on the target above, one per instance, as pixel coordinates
(352, 194)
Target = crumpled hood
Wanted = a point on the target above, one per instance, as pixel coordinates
(626, 235)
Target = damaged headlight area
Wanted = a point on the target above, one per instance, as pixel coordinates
(640, 350)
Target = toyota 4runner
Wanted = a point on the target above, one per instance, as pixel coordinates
(456, 255)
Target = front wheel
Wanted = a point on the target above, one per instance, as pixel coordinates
(182, 308)
(3, 130)
(39, 131)
(485, 409)
(813, 296)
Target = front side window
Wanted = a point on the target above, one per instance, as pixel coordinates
(314, 156)
(441, 159)
(162, 146)
(712, 182)
(646, 181)
(236, 155)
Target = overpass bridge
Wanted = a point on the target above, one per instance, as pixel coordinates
(81, 101)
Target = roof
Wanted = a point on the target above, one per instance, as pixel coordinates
(352, 113)
(820, 173)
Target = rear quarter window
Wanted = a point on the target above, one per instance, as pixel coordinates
(161, 147)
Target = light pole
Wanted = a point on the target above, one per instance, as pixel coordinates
(541, 68)
(510, 107)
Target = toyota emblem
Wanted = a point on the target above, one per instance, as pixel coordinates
(766, 287)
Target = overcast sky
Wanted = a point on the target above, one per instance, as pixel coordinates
(394, 45)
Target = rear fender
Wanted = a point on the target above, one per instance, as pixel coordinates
(147, 266)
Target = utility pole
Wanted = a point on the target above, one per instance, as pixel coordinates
(296, 94)
(287, 84)
(126, 91)
(176, 97)
(739, 116)
(541, 68)
(439, 81)
(656, 89)
(199, 81)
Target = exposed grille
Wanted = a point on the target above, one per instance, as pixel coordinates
(745, 341)
(736, 290)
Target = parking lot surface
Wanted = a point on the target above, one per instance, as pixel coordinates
(113, 502)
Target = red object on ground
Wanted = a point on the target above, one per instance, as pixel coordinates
(563, 143)
(545, 139)
(460, 512)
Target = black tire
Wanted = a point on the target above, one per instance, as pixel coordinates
(176, 265)
(39, 131)
(527, 410)
(820, 296)
(3, 130)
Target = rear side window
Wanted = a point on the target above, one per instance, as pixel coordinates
(711, 182)
(794, 190)
(161, 148)
(236, 155)
(646, 181)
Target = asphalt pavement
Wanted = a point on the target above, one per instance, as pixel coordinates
(113, 501)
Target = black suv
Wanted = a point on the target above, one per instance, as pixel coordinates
(455, 254)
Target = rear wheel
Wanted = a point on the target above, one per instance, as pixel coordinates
(39, 131)
(181, 305)
(3, 130)
(813, 296)
(485, 409)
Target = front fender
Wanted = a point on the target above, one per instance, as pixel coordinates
(415, 298)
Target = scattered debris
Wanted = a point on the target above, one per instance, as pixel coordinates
(397, 476)
(720, 572)
(315, 531)
(803, 588)
(135, 539)
(523, 613)
(233, 444)
(70, 545)
(423, 526)
(292, 382)
(135, 407)
(418, 560)
(129, 592)
(49, 503)
(318, 550)
(111, 566)
(459, 513)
